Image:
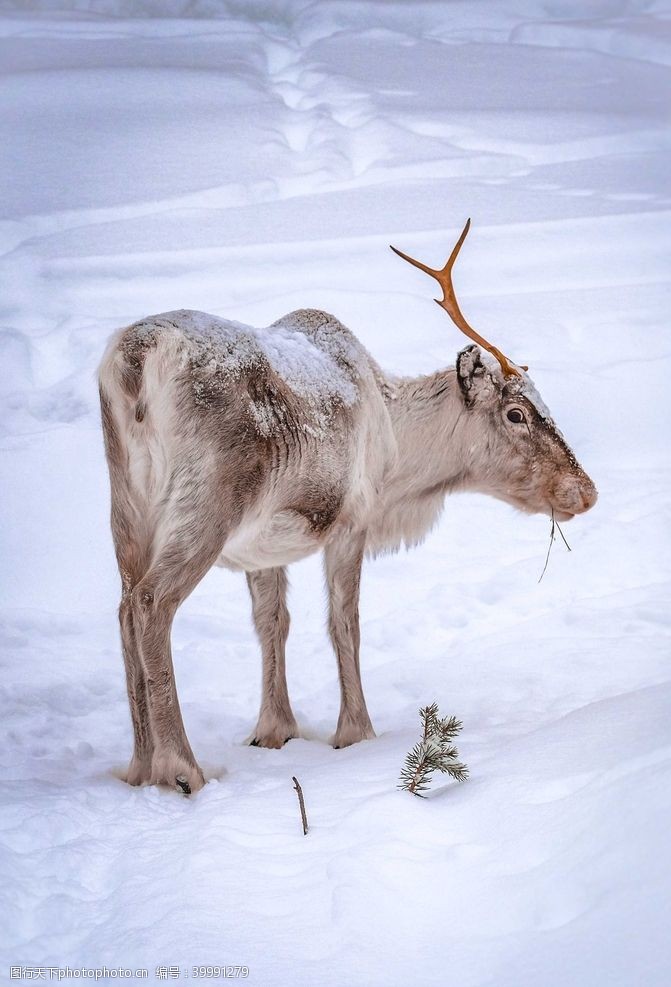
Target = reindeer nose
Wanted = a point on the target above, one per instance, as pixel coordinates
(575, 494)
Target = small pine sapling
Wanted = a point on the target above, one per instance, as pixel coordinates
(434, 752)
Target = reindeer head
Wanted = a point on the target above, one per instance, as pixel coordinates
(516, 452)
(519, 454)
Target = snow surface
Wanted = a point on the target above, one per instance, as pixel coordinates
(247, 159)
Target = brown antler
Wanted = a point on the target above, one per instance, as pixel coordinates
(451, 306)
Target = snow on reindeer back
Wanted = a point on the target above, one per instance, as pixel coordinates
(310, 351)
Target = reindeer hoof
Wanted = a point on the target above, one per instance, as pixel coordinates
(139, 772)
(273, 731)
(271, 741)
(352, 733)
(177, 772)
(183, 784)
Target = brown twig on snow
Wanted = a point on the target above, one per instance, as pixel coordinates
(301, 802)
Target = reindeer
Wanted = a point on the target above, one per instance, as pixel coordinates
(253, 448)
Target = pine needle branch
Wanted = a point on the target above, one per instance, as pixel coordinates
(434, 752)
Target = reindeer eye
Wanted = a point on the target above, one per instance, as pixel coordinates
(515, 415)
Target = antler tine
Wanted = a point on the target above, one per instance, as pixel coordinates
(451, 306)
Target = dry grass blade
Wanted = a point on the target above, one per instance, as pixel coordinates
(568, 547)
(554, 524)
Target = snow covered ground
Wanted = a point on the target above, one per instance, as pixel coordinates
(247, 158)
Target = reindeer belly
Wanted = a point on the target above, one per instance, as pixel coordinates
(262, 543)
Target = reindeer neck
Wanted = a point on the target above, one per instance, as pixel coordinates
(427, 418)
(427, 415)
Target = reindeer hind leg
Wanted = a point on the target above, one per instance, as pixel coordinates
(187, 540)
(130, 544)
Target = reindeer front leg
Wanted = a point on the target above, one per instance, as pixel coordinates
(268, 589)
(342, 563)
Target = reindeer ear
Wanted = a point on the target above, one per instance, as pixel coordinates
(471, 374)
